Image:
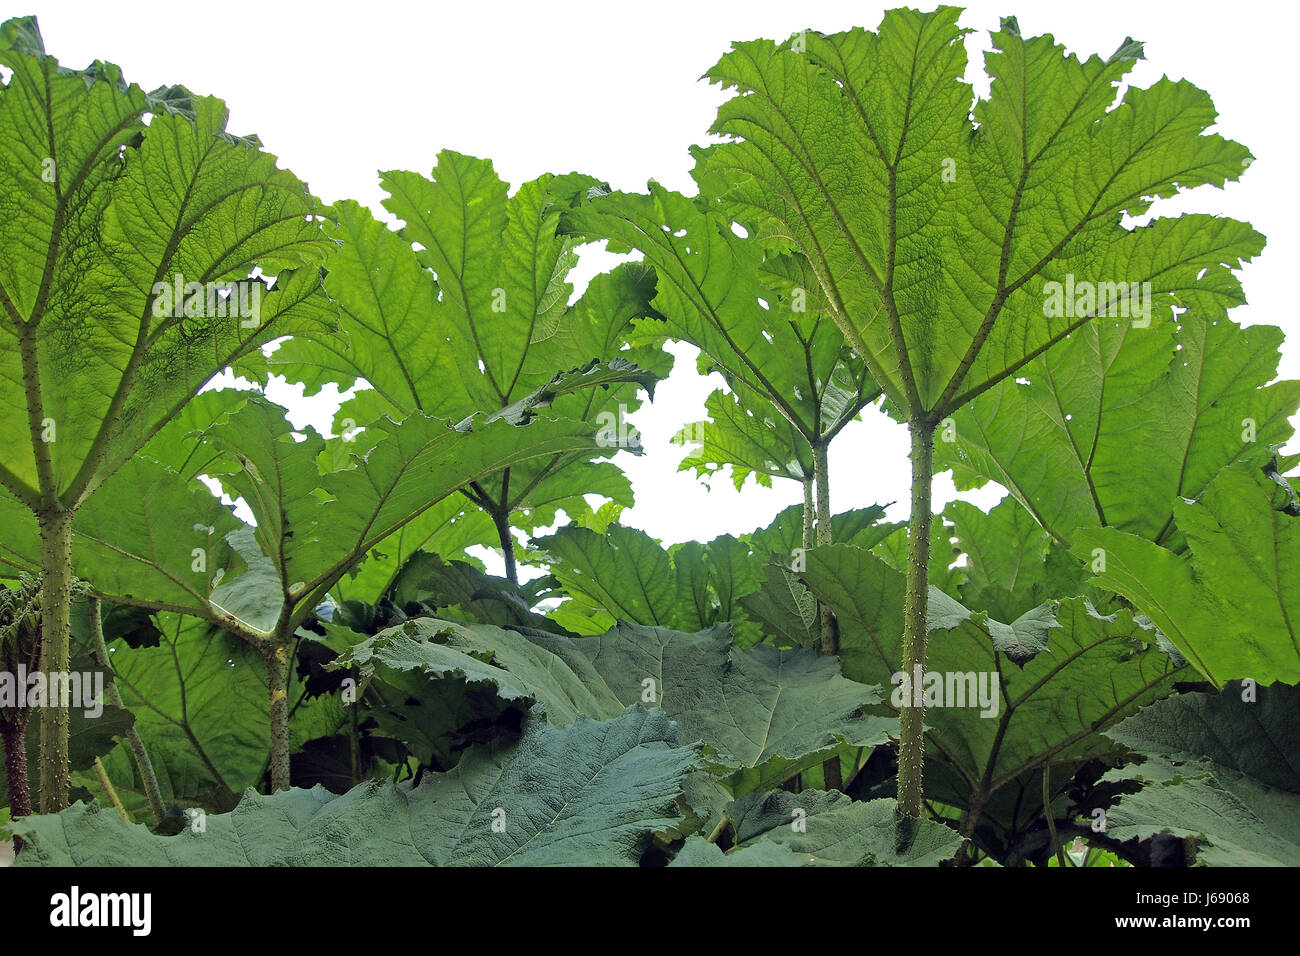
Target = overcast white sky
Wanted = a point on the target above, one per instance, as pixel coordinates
(339, 91)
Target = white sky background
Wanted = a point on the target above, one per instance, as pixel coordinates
(339, 91)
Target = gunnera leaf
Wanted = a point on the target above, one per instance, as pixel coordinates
(1219, 768)
(588, 794)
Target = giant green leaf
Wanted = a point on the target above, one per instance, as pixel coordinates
(748, 313)
(422, 692)
(624, 570)
(1011, 565)
(1056, 686)
(1230, 604)
(515, 669)
(734, 435)
(462, 591)
(96, 210)
(477, 318)
(782, 540)
(447, 529)
(632, 577)
(311, 526)
(1220, 769)
(590, 794)
(829, 829)
(150, 535)
(931, 228)
(499, 264)
(1111, 427)
(138, 235)
(749, 706)
(693, 585)
(787, 612)
(698, 851)
(200, 700)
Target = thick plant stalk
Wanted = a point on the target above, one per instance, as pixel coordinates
(501, 518)
(20, 788)
(831, 772)
(56, 600)
(821, 471)
(911, 747)
(143, 765)
(277, 684)
(502, 522)
(808, 514)
(20, 648)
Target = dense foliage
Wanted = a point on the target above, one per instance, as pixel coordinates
(1105, 661)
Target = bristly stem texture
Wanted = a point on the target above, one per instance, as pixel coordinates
(911, 721)
(56, 601)
(277, 685)
(831, 771)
